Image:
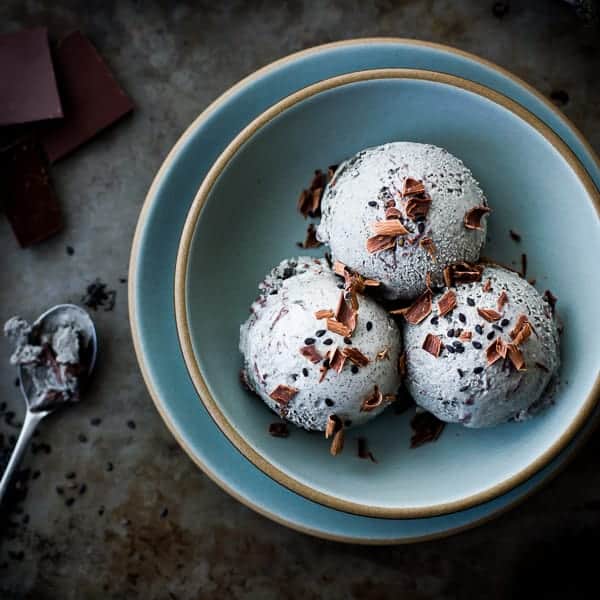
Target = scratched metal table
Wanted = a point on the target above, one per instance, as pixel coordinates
(143, 522)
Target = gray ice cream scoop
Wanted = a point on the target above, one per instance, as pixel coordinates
(284, 344)
(368, 184)
(460, 385)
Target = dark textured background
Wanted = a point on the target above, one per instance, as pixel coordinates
(174, 61)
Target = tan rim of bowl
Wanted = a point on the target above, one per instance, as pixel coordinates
(135, 254)
(181, 304)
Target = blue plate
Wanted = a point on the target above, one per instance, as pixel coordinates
(152, 269)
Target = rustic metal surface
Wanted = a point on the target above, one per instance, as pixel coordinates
(153, 526)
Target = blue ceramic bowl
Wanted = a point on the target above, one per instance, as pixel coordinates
(243, 221)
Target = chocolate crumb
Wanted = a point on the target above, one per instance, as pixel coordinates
(70, 475)
(69, 501)
(70, 250)
(500, 9)
(95, 421)
(559, 97)
(514, 236)
(98, 296)
(426, 428)
(109, 466)
(131, 424)
(279, 430)
(363, 450)
(82, 438)
(164, 512)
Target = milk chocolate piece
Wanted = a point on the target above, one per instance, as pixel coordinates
(28, 89)
(31, 205)
(92, 98)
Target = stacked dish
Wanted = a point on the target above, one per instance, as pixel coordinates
(242, 222)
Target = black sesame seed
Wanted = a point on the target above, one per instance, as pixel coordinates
(348, 422)
(82, 489)
(450, 333)
(70, 250)
(470, 302)
(348, 341)
(490, 335)
(504, 322)
(101, 510)
(17, 382)
(109, 466)
(354, 369)
(369, 325)
(461, 373)
(69, 501)
(329, 402)
(373, 203)
(305, 372)
(341, 286)
(328, 342)
(320, 333)
(309, 341)
(450, 349)
(479, 329)
(464, 388)
(421, 227)
(478, 370)
(477, 345)
(70, 475)
(460, 349)
(131, 424)
(462, 318)
(434, 320)
(95, 421)
(497, 327)
(35, 474)
(59, 490)
(82, 438)
(164, 512)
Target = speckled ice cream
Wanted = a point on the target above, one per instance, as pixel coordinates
(459, 386)
(355, 198)
(282, 320)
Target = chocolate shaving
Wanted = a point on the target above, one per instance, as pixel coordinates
(279, 430)
(379, 243)
(465, 335)
(323, 314)
(447, 303)
(417, 207)
(311, 240)
(516, 357)
(309, 202)
(335, 326)
(502, 300)
(336, 360)
(346, 314)
(355, 356)
(428, 280)
(392, 213)
(331, 169)
(383, 354)
(339, 268)
(489, 314)
(426, 428)
(402, 365)
(363, 450)
(551, 299)
(432, 344)
(372, 401)
(282, 394)
(244, 381)
(521, 331)
(429, 246)
(495, 351)
(462, 272)
(419, 310)
(389, 227)
(337, 444)
(311, 353)
(487, 286)
(523, 265)
(334, 424)
(412, 186)
(472, 218)
(514, 236)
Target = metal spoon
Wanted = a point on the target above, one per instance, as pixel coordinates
(89, 349)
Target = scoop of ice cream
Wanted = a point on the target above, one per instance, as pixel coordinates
(304, 371)
(49, 357)
(372, 187)
(498, 350)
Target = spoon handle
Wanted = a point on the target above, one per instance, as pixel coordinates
(29, 425)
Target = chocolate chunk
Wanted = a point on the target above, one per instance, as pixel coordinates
(92, 98)
(28, 89)
(31, 205)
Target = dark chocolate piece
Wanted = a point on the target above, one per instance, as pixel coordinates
(30, 203)
(92, 98)
(28, 86)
